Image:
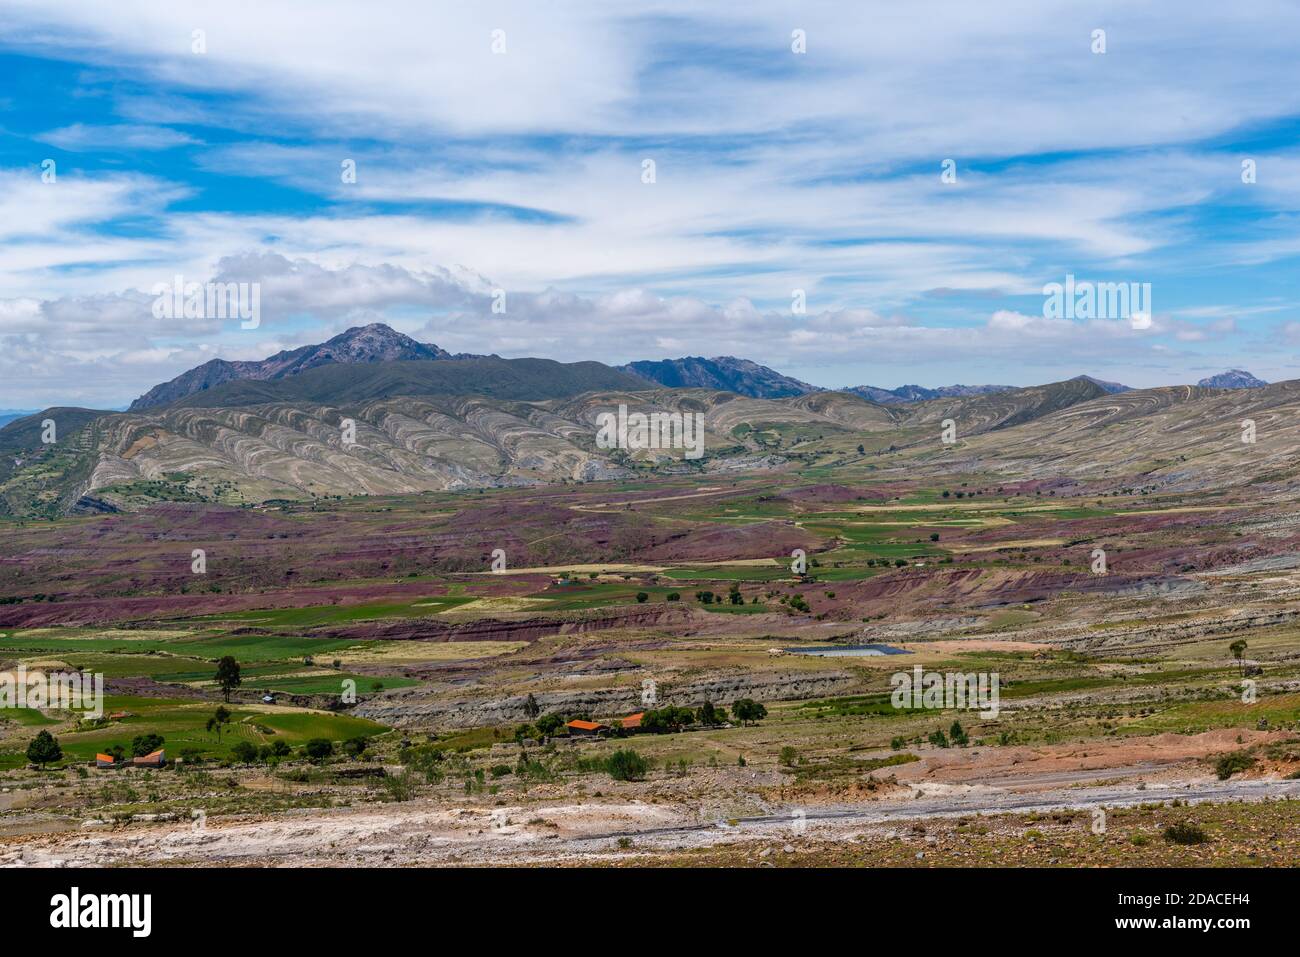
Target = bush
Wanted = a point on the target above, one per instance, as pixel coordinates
(1229, 764)
(245, 752)
(789, 756)
(626, 766)
(145, 744)
(674, 596)
(642, 597)
(318, 749)
(355, 747)
(1186, 832)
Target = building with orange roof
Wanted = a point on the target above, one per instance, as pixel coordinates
(586, 727)
(633, 721)
(155, 759)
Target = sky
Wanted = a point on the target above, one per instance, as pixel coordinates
(867, 193)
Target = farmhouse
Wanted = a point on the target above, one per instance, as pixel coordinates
(105, 761)
(586, 728)
(633, 721)
(155, 759)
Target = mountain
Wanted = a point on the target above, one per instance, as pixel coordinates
(722, 372)
(1232, 379)
(1111, 388)
(8, 415)
(514, 379)
(919, 393)
(373, 343)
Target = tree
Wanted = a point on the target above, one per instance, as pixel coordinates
(548, 724)
(43, 749)
(861, 450)
(220, 718)
(673, 596)
(1238, 648)
(669, 719)
(355, 747)
(245, 752)
(531, 707)
(704, 597)
(227, 677)
(707, 715)
(145, 744)
(789, 756)
(734, 595)
(642, 597)
(318, 749)
(747, 710)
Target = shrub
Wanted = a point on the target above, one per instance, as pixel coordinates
(355, 747)
(1229, 764)
(626, 766)
(1185, 832)
(673, 596)
(318, 749)
(642, 597)
(145, 744)
(789, 756)
(245, 752)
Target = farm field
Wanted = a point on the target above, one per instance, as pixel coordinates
(440, 682)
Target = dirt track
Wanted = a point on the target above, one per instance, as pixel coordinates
(419, 833)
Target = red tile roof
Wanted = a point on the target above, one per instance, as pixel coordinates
(584, 725)
(633, 720)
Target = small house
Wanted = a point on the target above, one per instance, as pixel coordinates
(154, 760)
(633, 721)
(105, 761)
(587, 728)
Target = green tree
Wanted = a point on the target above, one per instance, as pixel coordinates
(227, 677)
(318, 749)
(43, 749)
(642, 597)
(673, 596)
(1238, 649)
(245, 752)
(734, 595)
(531, 707)
(548, 724)
(748, 711)
(789, 756)
(145, 744)
(355, 747)
(220, 718)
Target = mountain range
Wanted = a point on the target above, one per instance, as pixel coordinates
(378, 343)
(417, 419)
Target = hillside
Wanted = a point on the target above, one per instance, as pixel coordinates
(723, 372)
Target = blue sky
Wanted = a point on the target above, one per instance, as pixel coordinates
(513, 161)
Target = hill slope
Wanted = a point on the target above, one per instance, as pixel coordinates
(723, 372)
